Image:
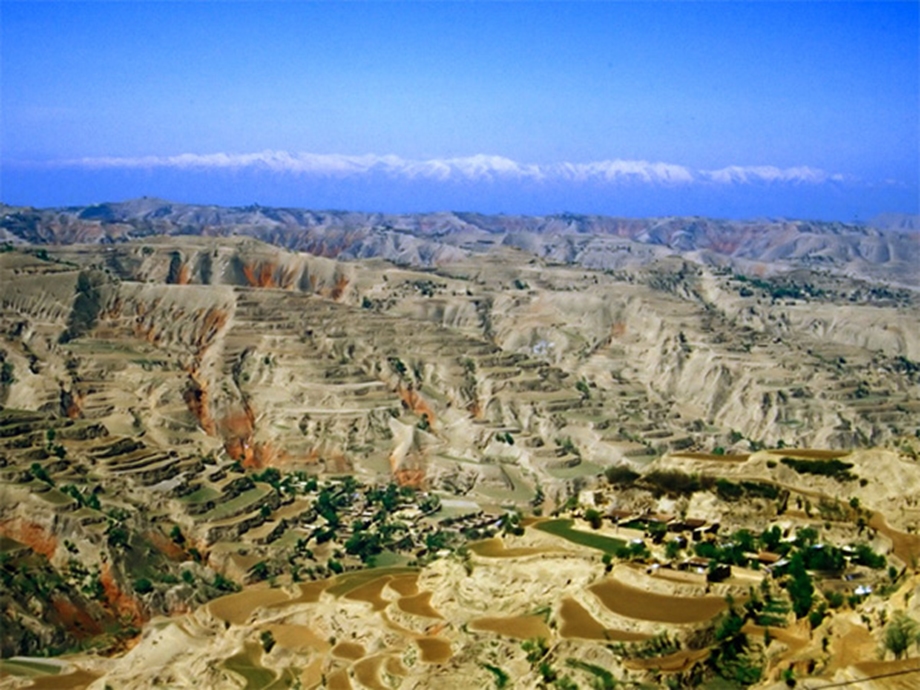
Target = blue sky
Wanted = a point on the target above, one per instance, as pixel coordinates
(713, 108)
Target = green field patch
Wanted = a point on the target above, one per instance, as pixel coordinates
(246, 664)
(28, 667)
(56, 497)
(563, 527)
(343, 584)
(389, 559)
(238, 504)
(8, 545)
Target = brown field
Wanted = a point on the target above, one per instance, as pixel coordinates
(371, 592)
(419, 605)
(520, 627)
(348, 650)
(435, 650)
(297, 637)
(312, 674)
(641, 605)
(77, 680)
(740, 457)
(809, 453)
(309, 593)
(495, 548)
(577, 622)
(404, 585)
(394, 666)
(367, 672)
(338, 680)
(236, 608)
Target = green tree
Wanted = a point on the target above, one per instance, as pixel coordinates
(268, 640)
(142, 585)
(594, 518)
(259, 571)
(901, 632)
(800, 587)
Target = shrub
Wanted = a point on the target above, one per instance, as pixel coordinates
(268, 640)
(900, 633)
(594, 518)
(677, 483)
(837, 469)
(143, 586)
(620, 474)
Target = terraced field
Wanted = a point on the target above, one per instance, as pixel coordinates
(279, 419)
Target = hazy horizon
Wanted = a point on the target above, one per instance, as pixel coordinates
(735, 110)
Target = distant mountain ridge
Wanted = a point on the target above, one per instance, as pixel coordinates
(889, 253)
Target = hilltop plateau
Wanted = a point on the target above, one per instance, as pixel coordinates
(213, 421)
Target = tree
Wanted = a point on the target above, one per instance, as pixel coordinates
(672, 549)
(800, 587)
(594, 518)
(259, 571)
(900, 633)
(142, 585)
(268, 640)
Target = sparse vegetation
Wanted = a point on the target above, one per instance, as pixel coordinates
(834, 468)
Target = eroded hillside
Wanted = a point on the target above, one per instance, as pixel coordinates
(186, 415)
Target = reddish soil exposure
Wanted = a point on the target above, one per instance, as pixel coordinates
(120, 602)
(268, 274)
(414, 478)
(341, 282)
(209, 325)
(196, 399)
(183, 275)
(236, 429)
(414, 402)
(31, 534)
(167, 546)
(71, 403)
(75, 618)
